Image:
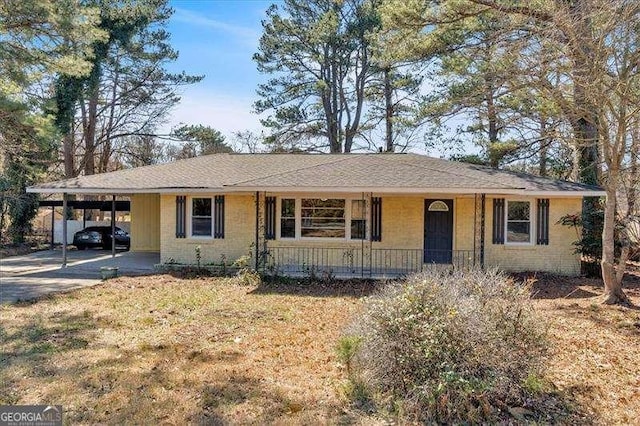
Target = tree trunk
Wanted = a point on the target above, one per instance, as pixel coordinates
(613, 293)
(388, 103)
(90, 135)
(69, 156)
(105, 156)
(3, 215)
(492, 118)
(335, 144)
(633, 183)
(90, 139)
(585, 126)
(544, 147)
(589, 173)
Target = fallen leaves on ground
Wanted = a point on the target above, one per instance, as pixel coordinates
(170, 350)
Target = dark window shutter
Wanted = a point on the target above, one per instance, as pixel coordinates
(181, 216)
(376, 219)
(498, 221)
(543, 222)
(270, 218)
(218, 213)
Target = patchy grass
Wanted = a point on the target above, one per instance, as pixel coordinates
(164, 349)
(594, 359)
(594, 348)
(148, 349)
(33, 243)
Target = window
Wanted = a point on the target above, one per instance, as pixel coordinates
(322, 218)
(518, 222)
(201, 217)
(438, 206)
(358, 221)
(288, 218)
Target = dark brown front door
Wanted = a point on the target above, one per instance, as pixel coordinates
(438, 231)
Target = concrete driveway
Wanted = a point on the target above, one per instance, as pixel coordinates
(40, 273)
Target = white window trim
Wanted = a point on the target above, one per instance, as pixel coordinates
(438, 206)
(298, 218)
(532, 224)
(190, 217)
(279, 218)
(349, 202)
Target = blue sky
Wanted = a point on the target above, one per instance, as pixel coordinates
(217, 38)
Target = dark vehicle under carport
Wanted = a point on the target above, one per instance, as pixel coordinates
(100, 236)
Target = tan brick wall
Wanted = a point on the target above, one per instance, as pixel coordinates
(463, 224)
(402, 228)
(238, 236)
(402, 223)
(557, 257)
(145, 222)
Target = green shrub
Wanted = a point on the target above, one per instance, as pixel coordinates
(347, 348)
(246, 275)
(449, 347)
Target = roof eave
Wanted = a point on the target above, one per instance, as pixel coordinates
(419, 190)
(44, 190)
(323, 189)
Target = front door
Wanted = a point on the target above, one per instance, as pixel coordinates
(438, 231)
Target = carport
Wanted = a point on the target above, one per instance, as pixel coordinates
(143, 205)
(113, 206)
(84, 205)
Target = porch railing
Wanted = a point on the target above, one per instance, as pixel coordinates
(350, 262)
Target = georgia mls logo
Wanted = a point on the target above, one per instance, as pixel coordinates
(51, 414)
(30, 415)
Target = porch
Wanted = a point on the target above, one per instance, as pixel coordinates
(360, 262)
(369, 236)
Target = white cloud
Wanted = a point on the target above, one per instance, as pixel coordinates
(247, 35)
(222, 111)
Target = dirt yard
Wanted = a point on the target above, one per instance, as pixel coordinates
(164, 349)
(595, 349)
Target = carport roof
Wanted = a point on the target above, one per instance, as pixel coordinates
(391, 173)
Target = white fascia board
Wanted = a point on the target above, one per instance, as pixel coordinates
(110, 191)
(339, 190)
(560, 194)
(377, 190)
(387, 190)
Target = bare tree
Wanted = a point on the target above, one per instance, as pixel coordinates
(248, 141)
(581, 57)
(598, 43)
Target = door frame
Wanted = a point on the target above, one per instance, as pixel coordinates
(424, 224)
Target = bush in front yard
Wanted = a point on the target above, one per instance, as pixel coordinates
(449, 347)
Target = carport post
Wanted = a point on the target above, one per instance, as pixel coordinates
(53, 225)
(113, 226)
(64, 230)
(483, 201)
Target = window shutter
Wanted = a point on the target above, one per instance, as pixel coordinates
(376, 219)
(542, 225)
(218, 213)
(498, 221)
(181, 216)
(270, 218)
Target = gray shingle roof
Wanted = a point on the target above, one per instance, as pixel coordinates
(301, 172)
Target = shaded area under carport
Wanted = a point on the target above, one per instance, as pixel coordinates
(38, 274)
(66, 204)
